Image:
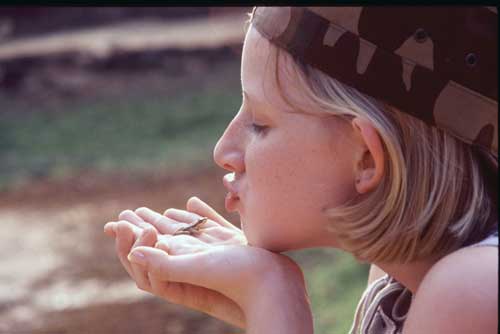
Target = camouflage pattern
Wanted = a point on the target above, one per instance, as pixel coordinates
(439, 64)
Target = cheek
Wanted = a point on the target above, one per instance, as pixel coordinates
(296, 177)
(267, 192)
(271, 174)
(287, 190)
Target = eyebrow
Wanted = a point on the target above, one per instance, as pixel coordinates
(251, 104)
(262, 104)
(246, 98)
(251, 101)
(246, 101)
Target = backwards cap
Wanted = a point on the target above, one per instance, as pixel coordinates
(438, 64)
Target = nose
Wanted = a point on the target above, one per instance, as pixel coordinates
(229, 151)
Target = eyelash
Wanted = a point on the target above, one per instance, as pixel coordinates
(258, 128)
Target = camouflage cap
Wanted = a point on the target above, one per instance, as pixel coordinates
(438, 64)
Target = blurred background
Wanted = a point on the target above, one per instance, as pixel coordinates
(103, 109)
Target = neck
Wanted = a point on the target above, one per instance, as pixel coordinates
(409, 274)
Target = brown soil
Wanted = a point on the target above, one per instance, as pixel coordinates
(59, 272)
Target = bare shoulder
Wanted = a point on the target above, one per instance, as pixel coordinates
(459, 294)
(374, 273)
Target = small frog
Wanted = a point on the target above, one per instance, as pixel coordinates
(192, 228)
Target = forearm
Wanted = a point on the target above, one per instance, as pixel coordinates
(280, 306)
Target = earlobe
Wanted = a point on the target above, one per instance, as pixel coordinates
(370, 163)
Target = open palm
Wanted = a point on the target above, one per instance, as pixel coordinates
(145, 227)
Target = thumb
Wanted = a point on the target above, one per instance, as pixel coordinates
(234, 271)
(190, 268)
(196, 205)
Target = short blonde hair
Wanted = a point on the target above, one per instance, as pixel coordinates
(438, 193)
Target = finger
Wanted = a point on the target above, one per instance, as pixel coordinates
(159, 287)
(200, 238)
(164, 246)
(196, 205)
(217, 234)
(132, 217)
(202, 299)
(198, 268)
(163, 224)
(210, 235)
(110, 229)
(124, 240)
(174, 248)
(182, 215)
(147, 238)
(137, 230)
(178, 241)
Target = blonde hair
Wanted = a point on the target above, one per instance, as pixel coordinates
(437, 194)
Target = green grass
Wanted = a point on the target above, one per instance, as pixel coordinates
(335, 281)
(132, 136)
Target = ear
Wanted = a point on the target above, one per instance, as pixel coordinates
(370, 160)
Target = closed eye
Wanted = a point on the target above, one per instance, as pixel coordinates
(258, 128)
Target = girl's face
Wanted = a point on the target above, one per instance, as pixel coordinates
(288, 165)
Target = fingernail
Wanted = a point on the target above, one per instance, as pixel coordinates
(137, 257)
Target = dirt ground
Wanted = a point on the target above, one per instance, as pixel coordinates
(59, 272)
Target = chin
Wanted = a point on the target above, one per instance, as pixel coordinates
(271, 245)
(271, 248)
(265, 238)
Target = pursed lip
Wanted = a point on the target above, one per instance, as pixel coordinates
(230, 184)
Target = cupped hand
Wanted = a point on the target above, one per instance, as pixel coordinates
(145, 227)
(240, 275)
(216, 230)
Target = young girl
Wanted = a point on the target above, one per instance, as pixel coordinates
(372, 130)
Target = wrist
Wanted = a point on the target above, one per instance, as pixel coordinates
(280, 303)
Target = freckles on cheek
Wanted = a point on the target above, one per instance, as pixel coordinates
(272, 164)
(267, 184)
(263, 182)
(276, 189)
